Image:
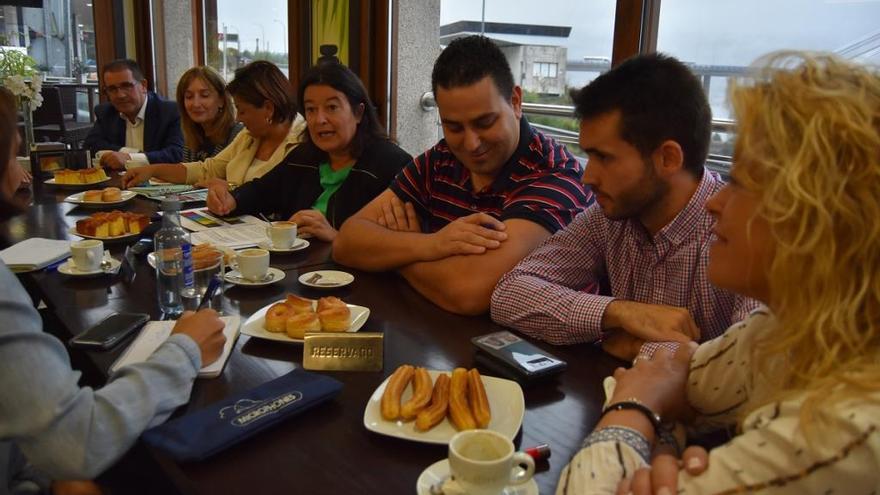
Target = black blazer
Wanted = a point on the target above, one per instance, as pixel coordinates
(163, 141)
(295, 183)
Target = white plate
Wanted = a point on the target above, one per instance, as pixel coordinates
(77, 199)
(299, 245)
(330, 279)
(440, 470)
(68, 268)
(505, 401)
(52, 182)
(233, 278)
(254, 325)
(123, 237)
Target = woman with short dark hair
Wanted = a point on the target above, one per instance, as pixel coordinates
(266, 106)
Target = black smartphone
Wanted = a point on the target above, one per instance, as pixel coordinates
(110, 331)
(142, 247)
(513, 357)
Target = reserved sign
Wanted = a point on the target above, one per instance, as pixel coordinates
(361, 351)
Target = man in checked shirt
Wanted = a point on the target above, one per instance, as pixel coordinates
(632, 267)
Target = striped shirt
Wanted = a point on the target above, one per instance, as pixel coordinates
(548, 295)
(541, 182)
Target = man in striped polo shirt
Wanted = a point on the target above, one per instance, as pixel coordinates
(645, 126)
(464, 212)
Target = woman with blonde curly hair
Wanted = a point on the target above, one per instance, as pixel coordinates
(207, 113)
(800, 378)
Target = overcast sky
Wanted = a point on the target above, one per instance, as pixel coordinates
(722, 32)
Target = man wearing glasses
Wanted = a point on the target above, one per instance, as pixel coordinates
(136, 124)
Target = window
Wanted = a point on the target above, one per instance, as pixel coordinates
(238, 33)
(544, 69)
(561, 45)
(60, 36)
(721, 39)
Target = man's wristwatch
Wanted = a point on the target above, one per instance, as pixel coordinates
(634, 404)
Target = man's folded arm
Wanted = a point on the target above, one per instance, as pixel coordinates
(364, 244)
(551, 293)
(463, 284)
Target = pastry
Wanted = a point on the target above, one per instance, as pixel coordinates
(432, 415)
(477, 399)
(276, 317)
(92, 196)
(459, 409)
(335, 319)
(397, 383)
(299, 323)
(110, 194)
(421, 396)
(300, 304)
(135, 222)
(329, 302)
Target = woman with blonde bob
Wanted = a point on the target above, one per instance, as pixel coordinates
(796, 229)
(207, 113)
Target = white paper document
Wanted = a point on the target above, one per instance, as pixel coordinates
(155, 333)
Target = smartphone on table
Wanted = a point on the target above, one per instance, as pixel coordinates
(512, 357)
(110, 331)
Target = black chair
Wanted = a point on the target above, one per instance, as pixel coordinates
(50, 123)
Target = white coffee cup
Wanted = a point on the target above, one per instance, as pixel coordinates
(282, 235)
(87, 255)
(483, 462)
(253, 264)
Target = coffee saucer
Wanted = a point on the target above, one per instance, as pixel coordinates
(440, 471)
(68, 268)
(326, 279)
(274, 275)
(299, 245)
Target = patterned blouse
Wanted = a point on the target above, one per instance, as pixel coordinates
(770, 455)
(190, 155)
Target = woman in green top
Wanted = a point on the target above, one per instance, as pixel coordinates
(345, 160)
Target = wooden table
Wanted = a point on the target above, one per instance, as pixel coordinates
(328, 449)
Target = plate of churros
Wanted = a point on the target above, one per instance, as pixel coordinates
(431, 406)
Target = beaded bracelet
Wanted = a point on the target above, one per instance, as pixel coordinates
(634, 404)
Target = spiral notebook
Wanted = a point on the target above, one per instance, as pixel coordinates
(154, 334)
(34, 253)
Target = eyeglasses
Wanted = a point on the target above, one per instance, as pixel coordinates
(125, 87)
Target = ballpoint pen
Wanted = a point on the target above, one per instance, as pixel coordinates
(213, 285)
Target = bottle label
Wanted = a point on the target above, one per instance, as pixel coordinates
(187, 265)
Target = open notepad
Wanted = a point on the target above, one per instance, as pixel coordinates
(34, 254)
(154, 334)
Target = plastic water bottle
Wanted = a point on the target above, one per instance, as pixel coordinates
(174, 269)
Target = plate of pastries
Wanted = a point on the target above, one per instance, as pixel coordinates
(78, 178)
(431, 406)
(109, 196)
(111, 226)
(291, 318)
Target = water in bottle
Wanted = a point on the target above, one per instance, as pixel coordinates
(174, 272)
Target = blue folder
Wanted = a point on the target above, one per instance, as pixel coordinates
(203, 433)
